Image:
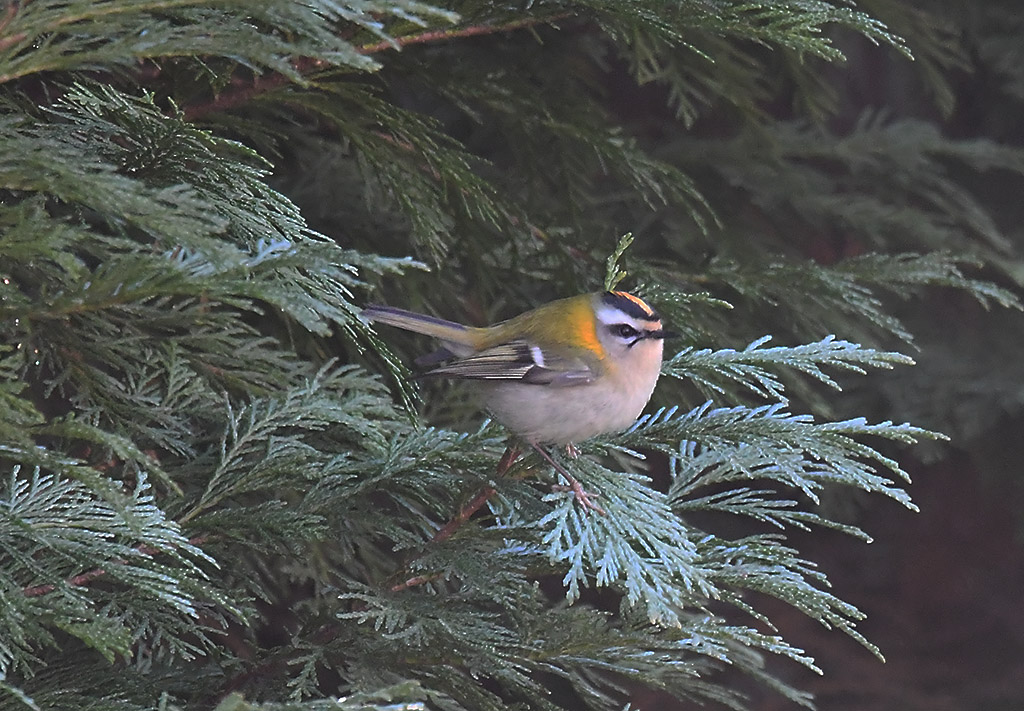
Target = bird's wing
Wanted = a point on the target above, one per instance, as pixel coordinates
(518, 360)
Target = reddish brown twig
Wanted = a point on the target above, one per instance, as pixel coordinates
(465, 513)
(5, 20)
(9, 12)
(90, 575)
(241, 93)
(76, 581)
(413, 582)
(471, 31)
(483, 496)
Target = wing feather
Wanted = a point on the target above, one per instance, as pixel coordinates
(518, 360)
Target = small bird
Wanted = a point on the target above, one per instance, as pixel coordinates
(558, 374)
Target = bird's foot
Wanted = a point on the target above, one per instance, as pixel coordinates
(582, 496)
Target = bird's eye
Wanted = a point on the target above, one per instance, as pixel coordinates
(624, 330)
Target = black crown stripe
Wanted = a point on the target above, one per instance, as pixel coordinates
(631, 305)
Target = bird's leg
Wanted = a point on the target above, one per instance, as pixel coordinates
(581, 495)
(570, 449)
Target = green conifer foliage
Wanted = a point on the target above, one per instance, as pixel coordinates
(219, 488)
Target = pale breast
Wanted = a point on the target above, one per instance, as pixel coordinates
(559, 415)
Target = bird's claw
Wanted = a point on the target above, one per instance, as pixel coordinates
(582, 495)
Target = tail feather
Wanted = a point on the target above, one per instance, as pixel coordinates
(447, 331)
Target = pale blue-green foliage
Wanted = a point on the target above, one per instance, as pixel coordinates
(644, 546)
(53, 527)
(253, 456)
(639, 543)
(85, 34)
(589, 649)
(763, 564)
(405, 696)
(749, 368)
(760, 462)
(613, 274)
(140, 277)
(740, 442)
(16, 414)
(271, 255)
(159, 178)
(794, 24)
(679, 55)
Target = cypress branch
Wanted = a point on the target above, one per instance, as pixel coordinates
(212, 499)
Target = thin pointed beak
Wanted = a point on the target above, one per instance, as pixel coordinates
(661, 333)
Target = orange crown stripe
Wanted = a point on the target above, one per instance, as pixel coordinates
(636, 300)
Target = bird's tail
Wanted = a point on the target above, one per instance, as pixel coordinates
(450, 332)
